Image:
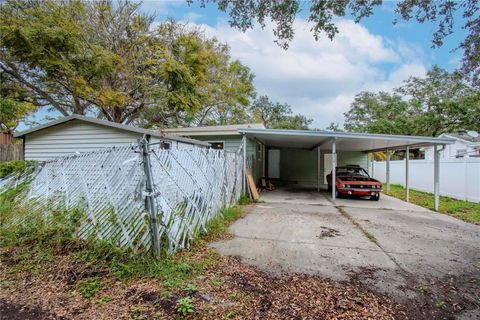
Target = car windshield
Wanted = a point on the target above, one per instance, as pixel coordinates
(351, 172)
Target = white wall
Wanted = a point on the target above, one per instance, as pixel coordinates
(459, 178)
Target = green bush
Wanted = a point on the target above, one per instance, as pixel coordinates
(14, 167)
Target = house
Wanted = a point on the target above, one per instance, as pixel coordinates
(228, 138)
(301, 157)
(78, 133)
(467, 144)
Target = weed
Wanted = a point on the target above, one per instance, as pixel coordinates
(104, 300)
(191, 288)
(35, 244)
(216, 282)
(218, 226)
(423, 289)
(230, 315)
(244, 199)
(184, 306)
(88, 288)
(441, 305)
(14, 167)
(235, 296)
(370, 236)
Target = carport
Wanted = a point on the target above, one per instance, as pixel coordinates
(355, 145)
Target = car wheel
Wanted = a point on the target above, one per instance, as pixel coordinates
(375, 198)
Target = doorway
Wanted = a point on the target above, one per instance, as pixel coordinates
(274, 163)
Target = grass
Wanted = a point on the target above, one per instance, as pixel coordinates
(367, 234)
(463, 210)
(35, 245)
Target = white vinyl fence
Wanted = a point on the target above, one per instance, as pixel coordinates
(190, 187)
(459, 178)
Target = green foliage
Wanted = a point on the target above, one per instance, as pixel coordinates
(244, 199)
(218, 225)
(323, 16)
(217, 282)
(37, 240)
(104, 57)
(277, 115)
(14, 106)
(185, 306)
(190, 288)
(439, 103)
(88, 288)
(14, 167)
(104, 300)
(463, 210)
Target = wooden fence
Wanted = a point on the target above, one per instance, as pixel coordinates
(10, 152)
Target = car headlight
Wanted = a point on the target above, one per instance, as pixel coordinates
(347, 185)
(343, 186)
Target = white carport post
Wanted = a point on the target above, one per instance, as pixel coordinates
(436, 176)
(334, 168)
(387, 168)
(407, 187)
(244, 180)
(318, 169)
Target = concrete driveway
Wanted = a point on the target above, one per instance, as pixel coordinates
(392, 246)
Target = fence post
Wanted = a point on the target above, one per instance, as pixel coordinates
(150, 197)
(225, 180)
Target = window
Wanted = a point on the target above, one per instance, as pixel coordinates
(165, 145)
(216, 145)
(461, 153)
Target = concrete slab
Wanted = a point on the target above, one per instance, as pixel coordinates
(385, 202)
(304, 232)
(424, 243)
(311, 239)
(295, 195)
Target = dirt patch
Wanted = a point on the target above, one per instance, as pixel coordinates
(12, 311)
(229, 289)
(433, 298)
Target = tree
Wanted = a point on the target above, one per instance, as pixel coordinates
(14, 105)
(439, 103)
(277, 115)
(106, 59)
(334, 127)
(224, 86)
(323, 14)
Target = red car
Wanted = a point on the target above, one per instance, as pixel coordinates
(353, 180)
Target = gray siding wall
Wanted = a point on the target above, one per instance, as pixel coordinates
(301, 165)
(77, 136)
(232, 143)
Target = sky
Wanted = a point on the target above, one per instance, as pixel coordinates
(320, 79)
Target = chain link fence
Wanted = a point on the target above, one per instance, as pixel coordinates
(138, 196)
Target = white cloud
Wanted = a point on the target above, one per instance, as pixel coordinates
(320, 78)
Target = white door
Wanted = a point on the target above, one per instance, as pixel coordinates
(274, 163)
(327, 166)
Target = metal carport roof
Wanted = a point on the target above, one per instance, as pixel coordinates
(348, 141)
(345, 141)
